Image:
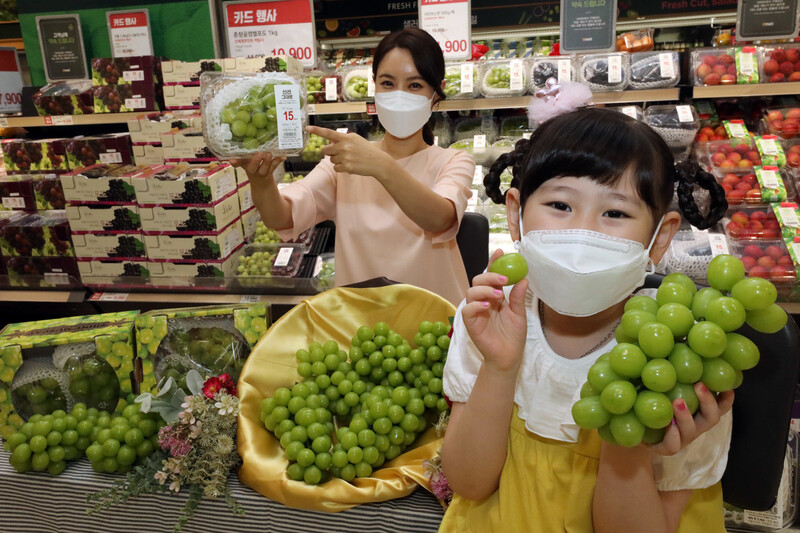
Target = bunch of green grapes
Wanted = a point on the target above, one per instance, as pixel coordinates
(39, 397)
(381, 396)
(314, 89)
(46, 442)
(93, 382)
(253, 118)
(498, 77)
(119, 441)
(288, 177)
(313, 150)
(326, 273)
(356, 87)
(215, 349)
(668, 344)
(452, 80)
(265, 235)
(256, 264)
(175, 369)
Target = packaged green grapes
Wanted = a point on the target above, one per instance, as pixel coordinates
(503, 77)
(52, 364)
(358, 84)
(460, 83)
(249, 113)
(212, 340)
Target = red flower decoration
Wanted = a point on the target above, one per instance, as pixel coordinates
(215, 384)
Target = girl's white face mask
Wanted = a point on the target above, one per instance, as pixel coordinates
(401, 113)
(579, 272)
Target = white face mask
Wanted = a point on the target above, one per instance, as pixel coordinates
(580, 272)
(402, 114)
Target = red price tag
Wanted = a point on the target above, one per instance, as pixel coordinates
(371, 109)
(129, 33)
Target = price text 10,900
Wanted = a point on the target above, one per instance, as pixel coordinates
(301, 52)
(12, 98)
(460, 45)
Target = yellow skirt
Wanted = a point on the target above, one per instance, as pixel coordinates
(547, 486)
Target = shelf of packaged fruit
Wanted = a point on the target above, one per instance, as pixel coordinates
(206, 299)
(75, 296)
(756, 89)
(68, 120)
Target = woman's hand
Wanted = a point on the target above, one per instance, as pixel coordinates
(686, 428)
(259, 166)
(497, 327)
(351, 153)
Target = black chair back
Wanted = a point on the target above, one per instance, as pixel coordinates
(473, 243)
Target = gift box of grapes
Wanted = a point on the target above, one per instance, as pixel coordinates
(272, 265)
(196, 220)
(251, 65)
(186, 145)
(102, 272)
(148, 154)
(48, 192)
(16, 193)
(52, 364)
(129, 245)
(123, 70)
(150, 128)
(41, 272)
(211, 340)
(250, 220)
(23, 156)
(45, 234)
(181, 185)
(245, 192)
(103, 218)
(65, 98)
(187, 71)
(182, 246)
(134, 96)
(109, 184)
(105, 149)
(182, 96)
(210, 273)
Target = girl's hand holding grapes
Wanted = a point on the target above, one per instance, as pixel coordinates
(497, 326)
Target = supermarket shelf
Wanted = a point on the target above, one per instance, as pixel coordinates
(631, 97)
(761, 89)
(793, 308)
(333, 109)
(213, 299)
(43, 296)
(69, 120)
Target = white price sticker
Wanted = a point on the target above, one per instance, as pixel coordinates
(370, 86)
(135, 103)
(56, 278)
(14, 202)
(684, 113)
(331, 90)
(129, 33)
(667, 65)
(109, 296)
(526, 135)
(564, 71)
(614, 69)
(629, 110)
(467, 78)
(768, 146)
(516, 75)
(342, 130)
(436, 140)
(59, 120)
(272, 28)
(477, 177)
(133, 75)
(250, 299)
(473, 200)
(290, 123)
(719, 245)
(746, 63)
(111, 157)
(769, 179)
(737, 129)
(10, 81)
(3, 122)
(450, 22)
(317, 266)
(789, 217)
(283, 256)
(479, 142)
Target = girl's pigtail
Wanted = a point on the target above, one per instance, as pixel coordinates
(687, 175)
(511, 159)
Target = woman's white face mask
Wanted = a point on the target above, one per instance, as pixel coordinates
(403, 114)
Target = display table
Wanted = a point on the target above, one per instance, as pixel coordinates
(39, 503)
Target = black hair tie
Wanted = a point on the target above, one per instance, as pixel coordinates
(687, 175)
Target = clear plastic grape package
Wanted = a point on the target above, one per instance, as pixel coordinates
(211, 340)
(249, 113)
(52, 364)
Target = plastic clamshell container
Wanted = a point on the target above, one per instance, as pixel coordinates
(713, 66)
(461, 80)
(480, 155)
(467, 128)
(769, 259)
(560, 68)
(689, 253)
(358, 84)
(249, 113)
(751, 224)
(676, 124)
(779, 63)
(635, 41)
(275, 260)
(720, 156)
(783, 122)
(605, 72)
(503, 77)
(325, 271)
(502, 146)
(633, 111)
(40, 272)
(45, 234)
(123, 70)
(653, 70)
(738, 186)
(516, 125)
(323, 87)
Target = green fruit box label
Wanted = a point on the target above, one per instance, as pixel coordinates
(746, 65)
(736, 129)
(772, 187)
(788, 216)
(251, 321)
(771, 151)
(10, 361)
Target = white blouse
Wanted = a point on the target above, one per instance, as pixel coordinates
(548, 385)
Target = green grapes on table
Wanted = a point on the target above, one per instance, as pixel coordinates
(355, 410)
(93, 382)
(313, 150)
(668, 344)
(215, 349)
(39, 397)
(265, 235)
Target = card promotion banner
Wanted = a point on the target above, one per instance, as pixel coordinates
(449, 21)
(129, 33)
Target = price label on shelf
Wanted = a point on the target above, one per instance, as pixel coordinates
(58, 120)
(129, 33)
(276, 28)
(719, 245)
(614, 69)
(479, 142)
(111, 157)
(109, 297)
(3, 122)
(56, 278)
(250, 299)
(684, 113)
(467, 78)
(283, 256)
(477, 177)
(629, 110)
(450, 23)
(666, 65)
(516, 75)
(331, 90)
(10, 81)
(290, 122)
(135, 103)
(13, 202)
(564, 71)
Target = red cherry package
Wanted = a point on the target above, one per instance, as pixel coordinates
(734, 155)
(752, 224)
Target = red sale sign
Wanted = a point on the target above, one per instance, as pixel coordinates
(10, 81)
(450, 23)
(129, 33)
(280, 27)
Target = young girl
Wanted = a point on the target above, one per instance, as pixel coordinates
(397, 203)
(588, 205)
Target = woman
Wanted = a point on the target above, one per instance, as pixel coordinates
(397, 203)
